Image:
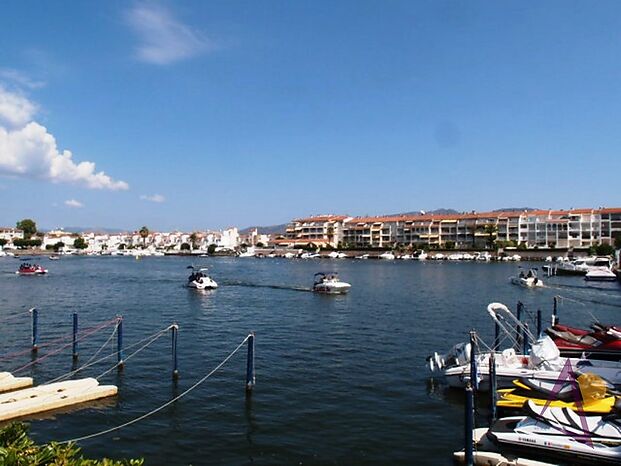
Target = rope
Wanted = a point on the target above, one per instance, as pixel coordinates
(13, 317)
(94, 330)
(159, 334)
(89, 364)
(168, 403)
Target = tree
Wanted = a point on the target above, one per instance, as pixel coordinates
(3, 242)
(58, 246)
(185, 246)
(618, 241)
(79, 243)
(211, 249)
(28, 226)
(604, 250)
(491, 231)
(193, 238)
(260, 244)
(144, 234)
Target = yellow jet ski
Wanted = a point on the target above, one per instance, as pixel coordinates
(588, 393)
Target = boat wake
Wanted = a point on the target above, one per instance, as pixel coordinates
(258, 285)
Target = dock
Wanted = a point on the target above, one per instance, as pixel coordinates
(8, 382)
(48, 397)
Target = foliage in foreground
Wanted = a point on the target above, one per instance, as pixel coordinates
(17, 449)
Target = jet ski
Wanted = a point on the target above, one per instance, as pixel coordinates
(602, 341)
(561, 433)
(587, 393)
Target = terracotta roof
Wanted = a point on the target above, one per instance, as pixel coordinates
(321, 218)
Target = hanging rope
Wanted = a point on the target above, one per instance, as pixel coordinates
(168, 403)
(88, 333)
(89, 364)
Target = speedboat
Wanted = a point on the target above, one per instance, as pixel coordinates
(200, 280)
(575, 437)
(54, 258)
(387, 256)
(250, 252)
(337, 255)
(529, 279)
(309, 255)
(364, 256)
(329, 283)
(600, 274)
(420, 257)
(289, 255)
(543, 363)
(31, 269)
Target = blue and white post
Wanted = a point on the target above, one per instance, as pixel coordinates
(555, 312)
(35, 329)
(119, 342)
(492, 385)
(469, 426)
(175, 331)
(75, 336)
(250, 374)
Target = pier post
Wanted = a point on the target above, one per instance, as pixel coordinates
(175, 330)
(35, 329)
(538, 323)
(555, 312)
(473, 361)
(75, 336)
(492, 385)
(119, 342)
(524, 339)
(496, 336)
(250, 375)
(469, 426)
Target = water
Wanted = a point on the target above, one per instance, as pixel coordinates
(340, 379)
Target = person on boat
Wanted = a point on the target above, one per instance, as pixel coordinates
(522, 274)
(530, 274)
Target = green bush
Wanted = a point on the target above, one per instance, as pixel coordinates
(17, 449)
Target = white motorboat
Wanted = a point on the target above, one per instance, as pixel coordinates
(455, 256)
(528, 279)
(582, 266)
(54, 258)
(309, 255)
(200, 280)
(337, 255)
(406, 257)
(439, 257)
(330, 283)
(289, 255)
(387, 256)
(483, 256)
(364, 256)
(421, 257)
(249, 252)
(543, 363)
(600, 274)
(574, 437)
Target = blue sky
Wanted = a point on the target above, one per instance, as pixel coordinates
(205, 114)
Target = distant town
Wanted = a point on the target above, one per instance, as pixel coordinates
(528, 229)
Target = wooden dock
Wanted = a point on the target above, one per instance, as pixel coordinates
(8, 382)
(43, 398)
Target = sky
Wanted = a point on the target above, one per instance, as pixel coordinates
(207, 114)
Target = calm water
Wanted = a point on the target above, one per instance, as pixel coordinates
(340, 379)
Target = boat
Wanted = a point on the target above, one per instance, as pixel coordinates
(600, 274)
(199, 280)
(54, 258)
(364, 256)
(581, 266)
(250, 252)
(31, 269)
(577, 438)
(601, 342)
(543, 363)
(329, 283)
(387, 256)
(289, 255)
(420, 257)
(337, 255)
(528, 279)
(309, 255)
(586, 393)
(406, 257)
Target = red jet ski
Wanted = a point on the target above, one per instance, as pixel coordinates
(31, 269)
(601, 342)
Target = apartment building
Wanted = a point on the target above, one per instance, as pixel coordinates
(320, 230)
(575, 228)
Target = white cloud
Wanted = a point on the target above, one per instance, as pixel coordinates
(28, 150)
(164, 39)
(154, 198)
(19, 78)
(73, 203)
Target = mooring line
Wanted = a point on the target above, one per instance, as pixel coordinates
(94, 330)
(168, 403)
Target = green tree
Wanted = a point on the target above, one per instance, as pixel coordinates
(58, 246)
(193, 238)
(144, 234)
(79, 243)
(260, 244)
(211, 249)
(449, 245)
(491, 231)
(618, 241)
(28, 226)
(185, 246)
(3, 242)
(604, 250)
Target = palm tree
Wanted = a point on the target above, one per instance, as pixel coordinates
(491, 230)
(144, 233)
(193, 238)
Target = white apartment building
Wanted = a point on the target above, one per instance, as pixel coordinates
(320, 230)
